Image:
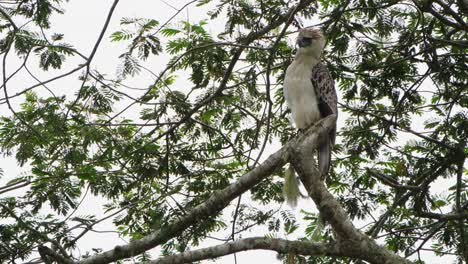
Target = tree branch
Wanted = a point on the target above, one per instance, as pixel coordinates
(14, 186)
(218, 201)
(390, 182)
(279, 245)
(403, 128)
(5, 14)
(47, 254)
(462, 216)
(350, 240)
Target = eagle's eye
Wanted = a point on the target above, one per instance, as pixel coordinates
(304, 41)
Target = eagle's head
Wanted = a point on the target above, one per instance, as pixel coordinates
(311, 41)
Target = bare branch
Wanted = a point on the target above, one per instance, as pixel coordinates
(279, 245)
(390, 182)
(14, 186)
(349, 238)
(444, 217)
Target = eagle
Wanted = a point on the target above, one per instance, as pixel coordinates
(309, 91)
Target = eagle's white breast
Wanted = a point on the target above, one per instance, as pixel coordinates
(300, 94)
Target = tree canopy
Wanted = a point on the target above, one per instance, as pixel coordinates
(184, 157)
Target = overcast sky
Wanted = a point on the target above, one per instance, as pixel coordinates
(81, 25)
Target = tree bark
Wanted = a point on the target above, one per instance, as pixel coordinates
(253, 243)
(218, 201)
(350, 241)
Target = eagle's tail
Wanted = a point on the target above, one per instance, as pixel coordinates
(324, 158)
(291, 191)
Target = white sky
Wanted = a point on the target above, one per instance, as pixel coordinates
(81, 25)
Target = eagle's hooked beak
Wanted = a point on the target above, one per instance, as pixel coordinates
(304, 42)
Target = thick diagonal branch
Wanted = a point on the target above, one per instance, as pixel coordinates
(349, 239)
(216, 202)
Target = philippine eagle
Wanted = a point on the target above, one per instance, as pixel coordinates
(310, 92)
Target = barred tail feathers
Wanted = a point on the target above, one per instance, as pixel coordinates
(324, 158)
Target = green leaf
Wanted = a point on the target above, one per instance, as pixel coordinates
(121, 35)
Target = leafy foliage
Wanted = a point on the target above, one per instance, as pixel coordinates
(401, 68)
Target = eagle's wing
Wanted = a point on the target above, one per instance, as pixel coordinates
(325, 90)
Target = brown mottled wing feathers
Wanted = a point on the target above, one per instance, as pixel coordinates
(325, 90)
(326, 93)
